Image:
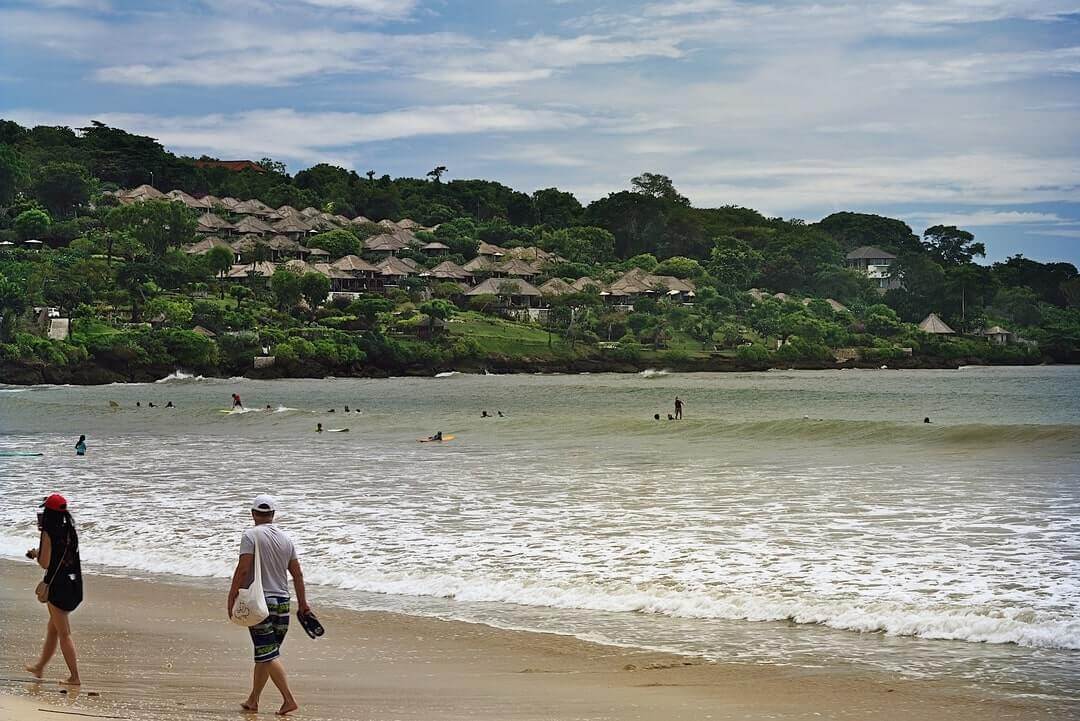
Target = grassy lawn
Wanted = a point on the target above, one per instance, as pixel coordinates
(498, 336)
(84, 329)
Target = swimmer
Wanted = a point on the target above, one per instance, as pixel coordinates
(169, 405)
(151, 404)
(436, 437)
(347, 409)
(318, 428)
(268, 407)
(484, 414)
(138, 405)
(500, 414)
(656, 416)
(926, 420)
(330, 411)
(670, 417)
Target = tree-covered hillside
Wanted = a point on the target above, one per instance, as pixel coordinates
(111, 265)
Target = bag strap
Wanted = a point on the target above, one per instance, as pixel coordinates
(256, 576)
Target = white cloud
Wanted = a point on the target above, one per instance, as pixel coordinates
(987, 217)
(307, 137)
(1059, 233)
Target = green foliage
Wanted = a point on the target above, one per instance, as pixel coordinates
(337, 243)
(157, 224)
(580, 244)
(175, 312)
(61, 187)
(13, 173)
(644, 261)
(285, 285)
(755, 353)
(315, 287)
(31, 224)
(951, 246)
(680, 267)
(191, 350)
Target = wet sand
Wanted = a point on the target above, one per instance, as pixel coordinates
(153, 649)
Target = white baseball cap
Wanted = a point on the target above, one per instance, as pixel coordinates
(263, 504)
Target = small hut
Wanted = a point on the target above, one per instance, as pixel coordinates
(936, 326)
(514, 291)
(998, 335)
(556, 287)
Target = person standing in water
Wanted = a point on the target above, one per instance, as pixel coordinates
(236, 401)
(61, 590)
(80, 446)
(678, 408)
(277, 556)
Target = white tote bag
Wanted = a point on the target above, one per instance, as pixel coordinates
(250, 607)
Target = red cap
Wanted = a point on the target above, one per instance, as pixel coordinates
(56, 502)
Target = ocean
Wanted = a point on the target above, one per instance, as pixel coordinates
(801, 517)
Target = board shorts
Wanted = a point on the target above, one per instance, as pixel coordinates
(66, 592)
(268, 635)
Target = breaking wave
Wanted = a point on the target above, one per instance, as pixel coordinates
(179, 375)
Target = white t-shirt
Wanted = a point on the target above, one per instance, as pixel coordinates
(276, 550)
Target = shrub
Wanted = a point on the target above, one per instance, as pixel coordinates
(753, 353)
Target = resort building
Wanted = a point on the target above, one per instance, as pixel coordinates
(875, 264)
(935, 325)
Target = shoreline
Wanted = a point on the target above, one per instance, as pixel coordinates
(154, 649)
(29, 374)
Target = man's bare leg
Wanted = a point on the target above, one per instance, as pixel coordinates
(258, 682)
(277, 675)
(47, 651)
(67, 644)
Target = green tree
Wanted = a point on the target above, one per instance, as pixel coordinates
(157, 224)
(13, 303)
(220, 260)
(61, 187)
(733, 263)
(337, 243)
(32, 224)
(436, 173)
(315, 287)
(951, 246)
(239, 293)
(441, 309)
(555, 208)
(680, 267)
(658, 186)
(580, 244)
(856, 229)
(285, 286)
(134, 279)
(12, 173)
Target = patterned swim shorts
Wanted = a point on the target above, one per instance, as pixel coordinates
(268, 635)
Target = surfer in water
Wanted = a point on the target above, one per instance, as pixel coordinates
(80, 446)
(678, 408)
(436, 437)
(484, 414)
(169, 405)
(236, 403)
(318, 428)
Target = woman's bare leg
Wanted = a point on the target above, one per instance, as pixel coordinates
(47, 650)
(67, 645)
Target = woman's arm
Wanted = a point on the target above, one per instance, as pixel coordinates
(44, 554)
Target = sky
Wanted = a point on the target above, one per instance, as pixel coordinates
(957, 112)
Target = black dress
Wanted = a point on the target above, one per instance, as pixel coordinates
(64, 575)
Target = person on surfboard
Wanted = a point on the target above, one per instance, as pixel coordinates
(236, 401)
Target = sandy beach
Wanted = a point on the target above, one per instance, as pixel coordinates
(151, 649)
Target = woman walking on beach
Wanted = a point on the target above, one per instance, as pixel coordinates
(61, 589)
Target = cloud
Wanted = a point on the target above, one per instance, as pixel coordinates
(1059, 233)
(392, 9)
(977, 218)
(307, 137)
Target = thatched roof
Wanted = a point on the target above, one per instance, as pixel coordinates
(286, 210)
(435, 245)
(212, 222)
(492, 286)
(300, 266)
(188, 200)
(247, 243)
(282, 243)
(331, 272)
(758, 294)
(396, 267)
(385, 243)
(933, 324)
(318, 253)
(310, 212)
(389, 225)
(638, 282)
(264, 268)
(203, 246)
(228, 202)
(868, 252)
(355, 264)
(142, 192)
(556, 287)
(996, 330)
(782, 296)
(409, 224)
(583, 284)
(490, 250)
(448, 270)
(251, 224)
(252, 207)
(516, 267)
(360, 220)
(532, 254)
(292, 224)
(836, 305)
(479, 264)
(205, 332)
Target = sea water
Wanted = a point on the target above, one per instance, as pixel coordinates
(792, 517)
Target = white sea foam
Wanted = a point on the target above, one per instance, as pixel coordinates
(654, 373)
(179, 375)
(447, 374)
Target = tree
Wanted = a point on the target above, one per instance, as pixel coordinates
(440, 309)
(580, 244)
(680, 267)
(555, 208)
(337, 243)
(133, 278)
(32, 224)
(855, 229)
(285, 286)
(315, 287)
(436, 173)
(220, 260)
(13, 302)
(951, 246)
(12, 173)
(658, 186)
(734, 263)
(239, 293)
(61, 187)
(157, 224)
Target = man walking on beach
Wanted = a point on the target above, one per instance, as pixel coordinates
(277, 555)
